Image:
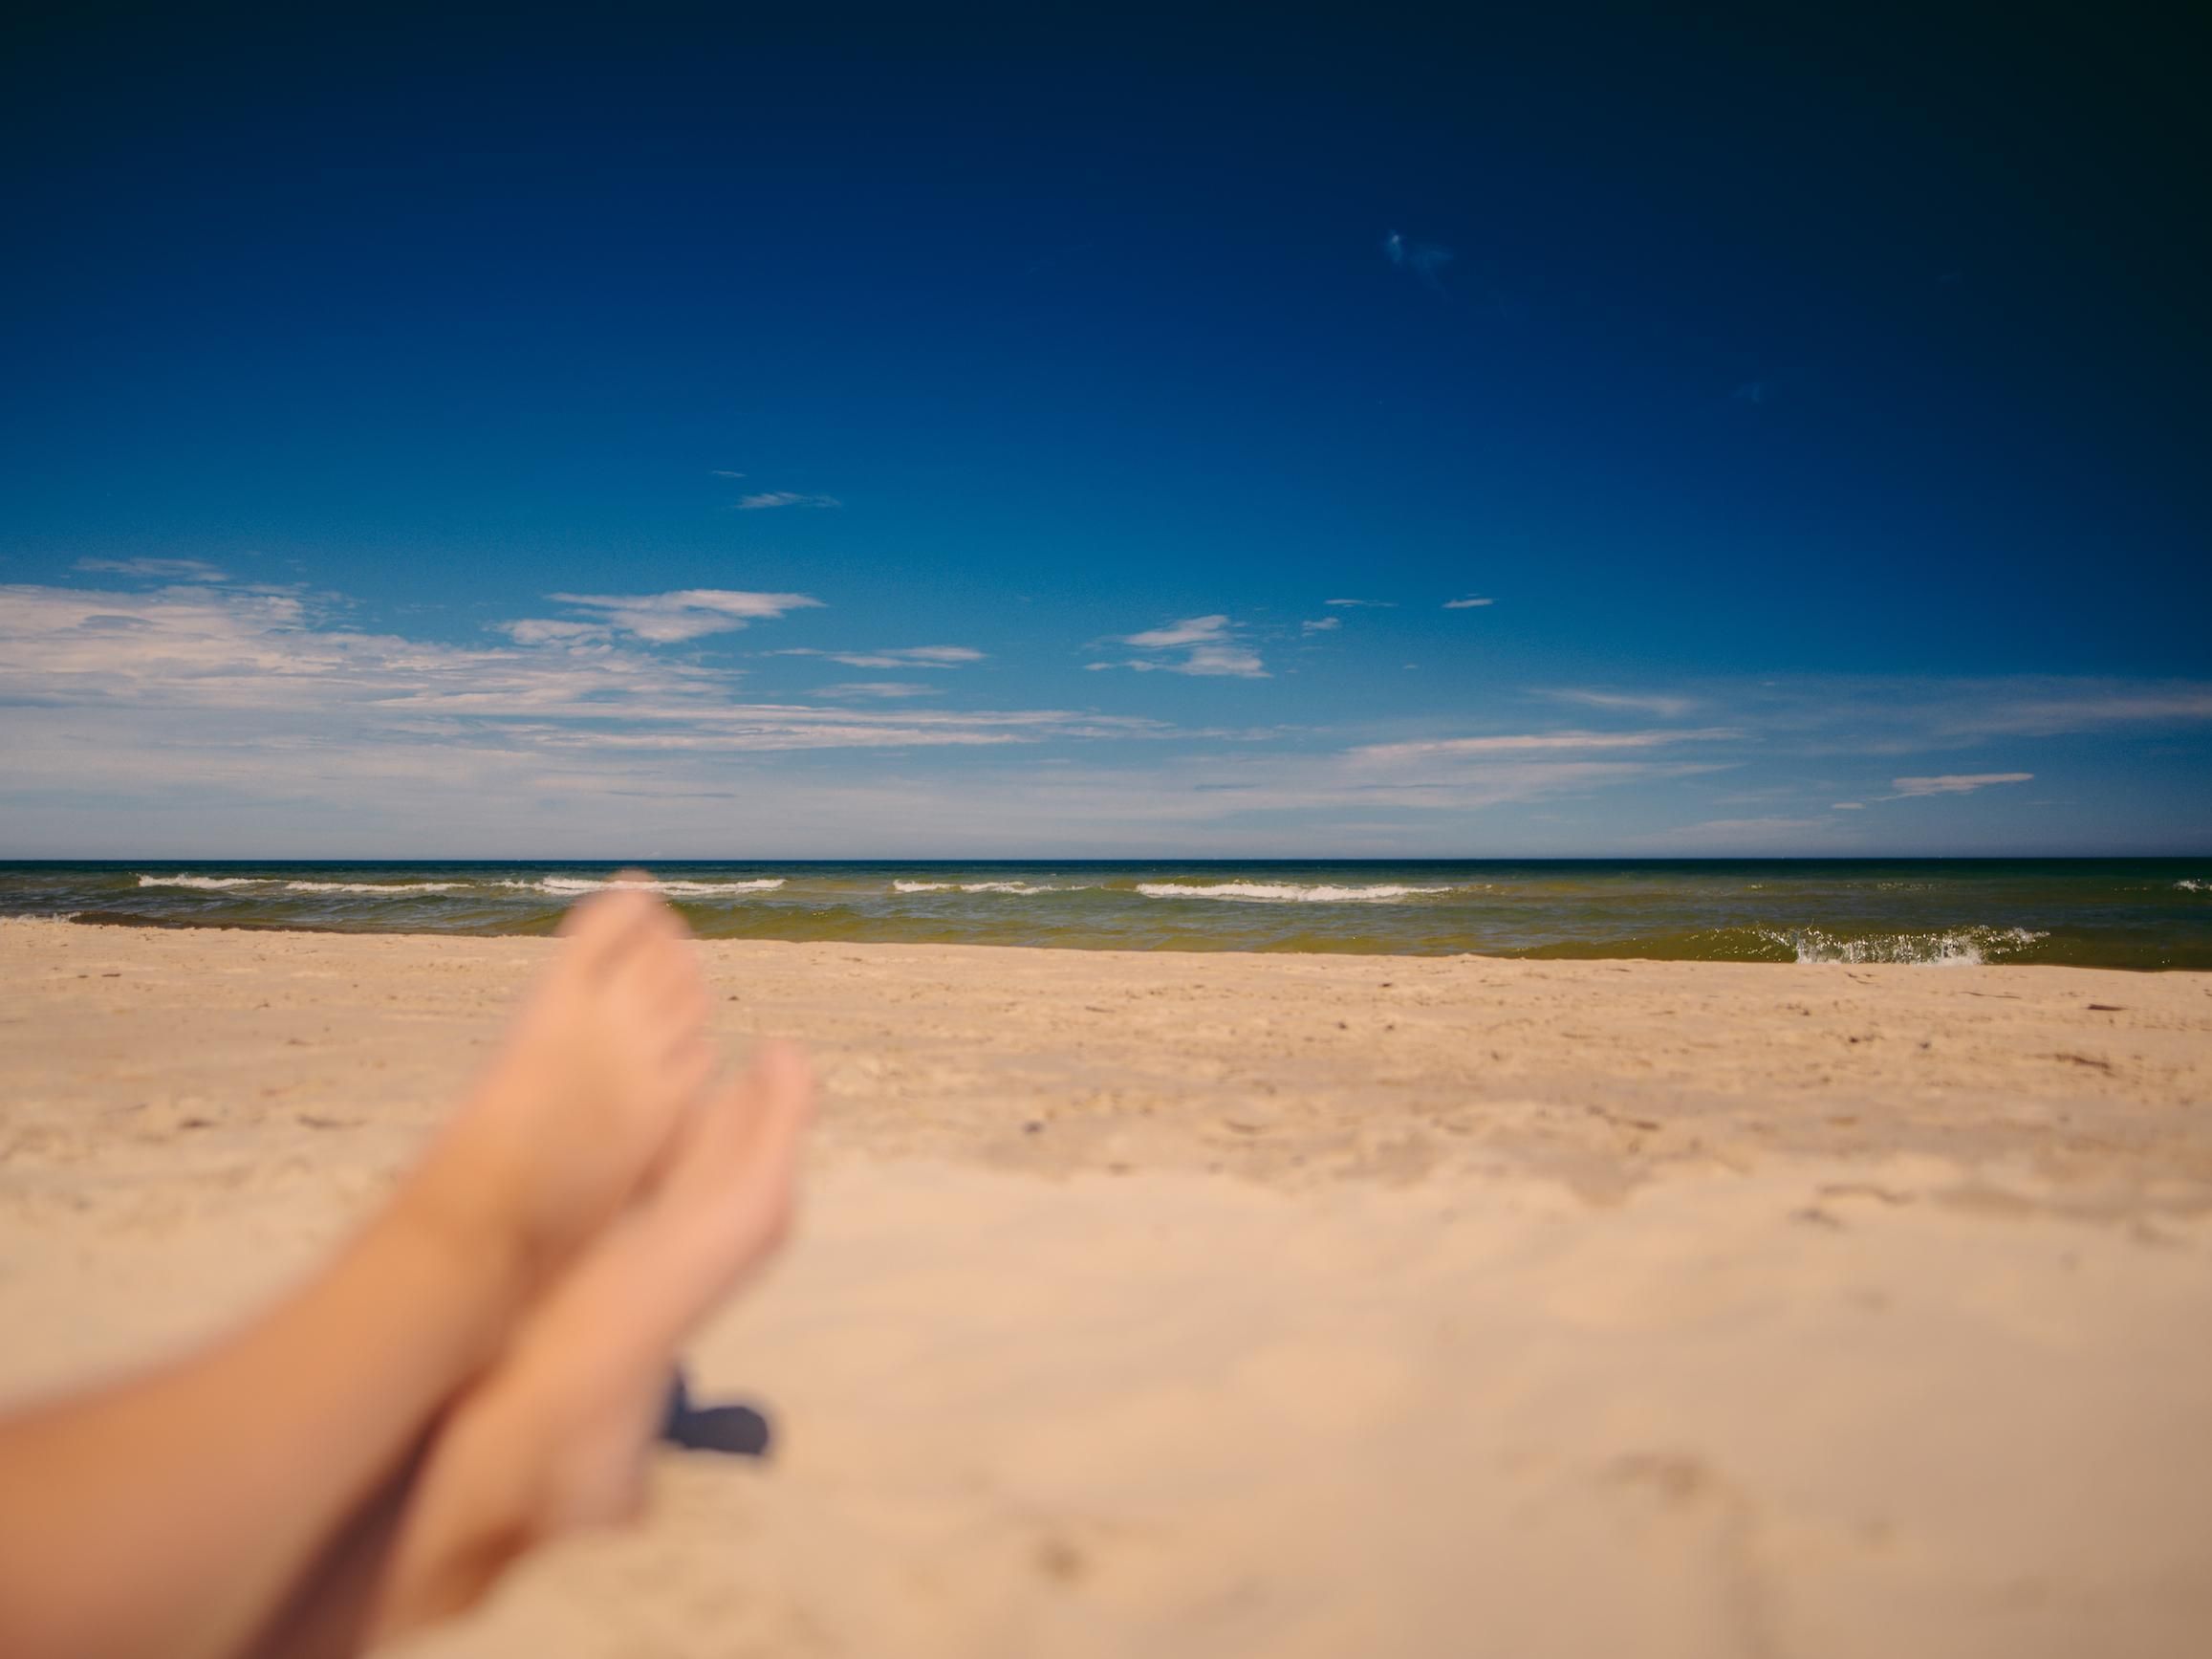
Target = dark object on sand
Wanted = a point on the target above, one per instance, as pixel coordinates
(737, 1431)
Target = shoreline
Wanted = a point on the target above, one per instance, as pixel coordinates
(1209, 1302)
(2136, 915)
(1170, 948)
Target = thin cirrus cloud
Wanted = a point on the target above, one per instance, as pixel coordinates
(891, 657)
(167, 695)
(1660, 706)
(1191, 631)
(1472, 602)
(1364, 604)
(187, 684)
(663, 618)
(1205, 646)
(1952, 783)
(878, 688)
(1538, 743)
(2050, 709)
(153, 569)
(768, 498)
(1322, 625)
(1862, 715)
(240, 709)
(722, 472)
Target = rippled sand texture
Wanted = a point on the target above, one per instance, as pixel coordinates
(1202, 1304)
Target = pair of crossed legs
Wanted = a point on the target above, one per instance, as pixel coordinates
(479, 1369)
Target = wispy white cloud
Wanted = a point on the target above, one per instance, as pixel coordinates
(1538, 742)
(664, 619)
(1658, 705)
(1321, 627)
(891, 657)
(1953, 783)
(553, 630)
(210, 648)
(153, 569)
(1472, 602)
(259, 719)
(1191, 631)
(724, 472)
(1365, 605)
(1208, 647)
(233, 668)
(880, 689)
(2047, 710)
(1824, 714)
(766, 498)
(1235, 661)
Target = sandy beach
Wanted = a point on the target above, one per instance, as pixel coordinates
(1196, 1304)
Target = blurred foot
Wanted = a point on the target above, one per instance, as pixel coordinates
(556, 1437)
(589, 1089)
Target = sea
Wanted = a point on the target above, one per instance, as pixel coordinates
(2133, 913)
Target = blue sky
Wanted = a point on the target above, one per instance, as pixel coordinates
(670, 437)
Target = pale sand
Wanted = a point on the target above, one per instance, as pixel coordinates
(1191, 1305)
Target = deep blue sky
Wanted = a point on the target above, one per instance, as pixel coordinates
(1820, 404)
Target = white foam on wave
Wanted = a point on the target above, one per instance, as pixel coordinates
(378, 887)
(1284, 892)
(572, 886)
(1024, 888)
(2188, 885)
(561, 885)
(1958, 948)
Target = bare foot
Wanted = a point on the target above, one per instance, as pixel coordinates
(556, 1437)
(588, 1090)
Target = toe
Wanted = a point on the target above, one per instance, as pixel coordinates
(605, 916)
(612, 928)
(737, 1186)
(724, 1201)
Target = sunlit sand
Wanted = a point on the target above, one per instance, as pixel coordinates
(1204, 1304)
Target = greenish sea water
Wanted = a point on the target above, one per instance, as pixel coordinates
(2138, 913)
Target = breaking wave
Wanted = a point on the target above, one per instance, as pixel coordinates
(1284, 892)
(1955, 948)
(568, 887)
(564, 886)
(1021, 887)
(391, 887)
